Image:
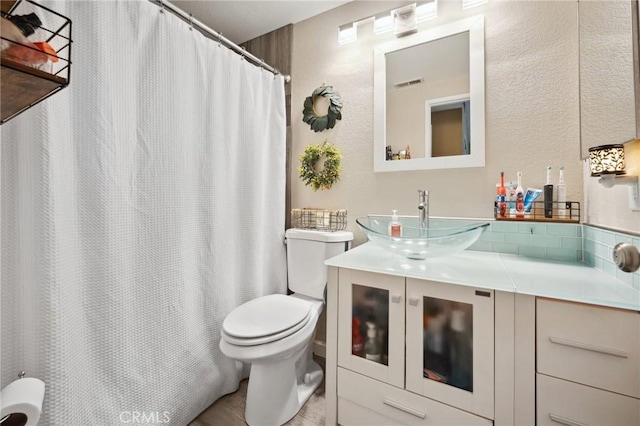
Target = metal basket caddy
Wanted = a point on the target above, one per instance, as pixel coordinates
(319, 219)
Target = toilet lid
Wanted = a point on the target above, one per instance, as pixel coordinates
(266, 319)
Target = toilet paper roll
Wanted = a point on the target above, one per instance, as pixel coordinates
(22, 401)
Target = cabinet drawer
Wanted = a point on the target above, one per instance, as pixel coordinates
(364, 401)
(565, 403)
(352, 414)
(591, 345)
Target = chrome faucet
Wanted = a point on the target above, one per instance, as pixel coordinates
(423, 209)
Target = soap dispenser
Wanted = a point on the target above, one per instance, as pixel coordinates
(395, 227)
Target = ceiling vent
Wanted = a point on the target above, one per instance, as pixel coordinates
(408, 83)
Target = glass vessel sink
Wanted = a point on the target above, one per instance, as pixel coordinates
(423, 243)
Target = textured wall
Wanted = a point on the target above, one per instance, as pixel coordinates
(607, 106)
(607, 103)
(532, 118)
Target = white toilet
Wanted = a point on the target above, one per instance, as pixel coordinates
(274, 333)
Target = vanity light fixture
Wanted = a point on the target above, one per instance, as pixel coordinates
(607, 163)
(404, 21)
(468, 4)
(427, 10)
(348, 33)
(383, 23)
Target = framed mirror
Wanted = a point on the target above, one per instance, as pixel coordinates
(429, 99)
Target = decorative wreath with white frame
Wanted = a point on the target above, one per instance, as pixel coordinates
(329, 174)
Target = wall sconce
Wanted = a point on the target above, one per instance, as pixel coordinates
(607, 162)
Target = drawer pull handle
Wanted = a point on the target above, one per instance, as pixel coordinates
(565, 421)
(396, 298)
(587, 347)
(404, 408)
(413, 301)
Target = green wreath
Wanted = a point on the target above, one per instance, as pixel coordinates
(330, 173)
(310, 115)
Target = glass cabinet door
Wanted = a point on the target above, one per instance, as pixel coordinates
(371, 325)
(450, 344)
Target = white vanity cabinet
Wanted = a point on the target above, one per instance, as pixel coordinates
(410, 351)
(588, 364)
(479, 338)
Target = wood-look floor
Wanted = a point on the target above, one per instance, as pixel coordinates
(229, 410)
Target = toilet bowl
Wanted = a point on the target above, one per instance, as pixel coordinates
(283, 374)
(274, 333)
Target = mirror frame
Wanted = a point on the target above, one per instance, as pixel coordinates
(475, 27)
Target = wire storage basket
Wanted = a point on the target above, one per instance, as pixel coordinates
(561, 211)
(36, 67)
(319, 219)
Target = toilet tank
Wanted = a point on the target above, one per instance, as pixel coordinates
(306, 252)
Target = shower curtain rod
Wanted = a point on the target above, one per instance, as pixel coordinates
(163, 4)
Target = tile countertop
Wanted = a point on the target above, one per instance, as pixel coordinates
(503, 272)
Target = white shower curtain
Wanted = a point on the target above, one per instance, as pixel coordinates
(140, 205)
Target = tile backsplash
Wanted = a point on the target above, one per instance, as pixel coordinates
(534, 239)
(547, 241)
(598, 248)
(570, 242)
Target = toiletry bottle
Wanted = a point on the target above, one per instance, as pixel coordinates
(562, 196)
(529, 197)
(548, 195)
(15, 45)
(502, 197)
(395, 227)
(357, 346)
(519, 198)
(371, 347)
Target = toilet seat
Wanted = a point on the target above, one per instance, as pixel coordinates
(265, 319)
